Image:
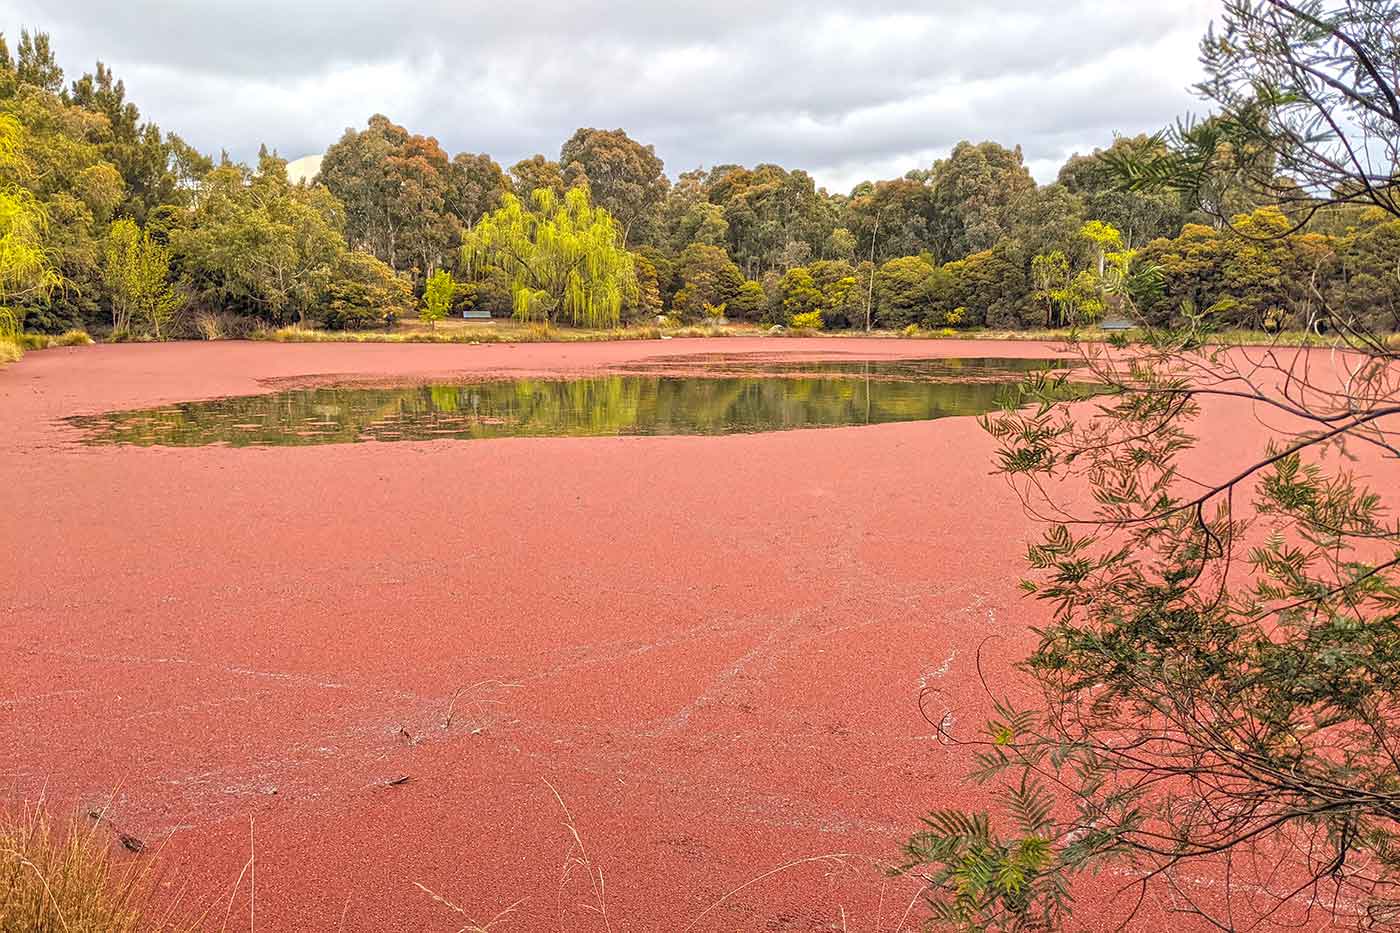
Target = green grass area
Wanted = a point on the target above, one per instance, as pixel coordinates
(495, 332)
(508, 331)
(505, 331)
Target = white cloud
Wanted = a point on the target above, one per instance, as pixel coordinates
(848, 90)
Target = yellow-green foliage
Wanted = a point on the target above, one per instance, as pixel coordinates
(25, 268)
(808, 320)
(564, 259)
(437, 297)
(136, 273)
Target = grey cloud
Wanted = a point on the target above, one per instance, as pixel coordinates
(845, 89)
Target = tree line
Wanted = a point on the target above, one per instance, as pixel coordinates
(142, 234)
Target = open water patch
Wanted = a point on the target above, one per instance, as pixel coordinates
(716, 396)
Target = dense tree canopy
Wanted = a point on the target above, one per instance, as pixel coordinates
(973, 192)
(257, 244)
(530, 175)
(405, 200)
(966, 241)
(623, 177)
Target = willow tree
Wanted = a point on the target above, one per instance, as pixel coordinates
(564, 259)
(24, 263)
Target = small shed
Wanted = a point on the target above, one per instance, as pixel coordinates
(1116, 324)
(476, 314)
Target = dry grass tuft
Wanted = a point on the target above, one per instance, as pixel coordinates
(66, 879)
(69, 338)
(72, 338)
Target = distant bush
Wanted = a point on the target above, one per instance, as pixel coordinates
(748, 303)
(365, 293)
(911, 331)
(808, 320)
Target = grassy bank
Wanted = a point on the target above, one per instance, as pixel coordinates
(13, 348)
(492, 333)
(510, 332)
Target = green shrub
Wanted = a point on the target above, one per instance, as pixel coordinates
(911, 331)
(365, 293)
(807, 320)
(748, 304)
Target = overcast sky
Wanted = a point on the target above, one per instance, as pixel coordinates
(847, 89)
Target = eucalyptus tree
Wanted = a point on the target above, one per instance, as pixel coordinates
(903, 209)
(1048, 218)
(530, 175)
(1141, 215)
(477, 184)
(398, 189)
(563, 257)
(623, 177)
(767, 208)
(973, 193)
